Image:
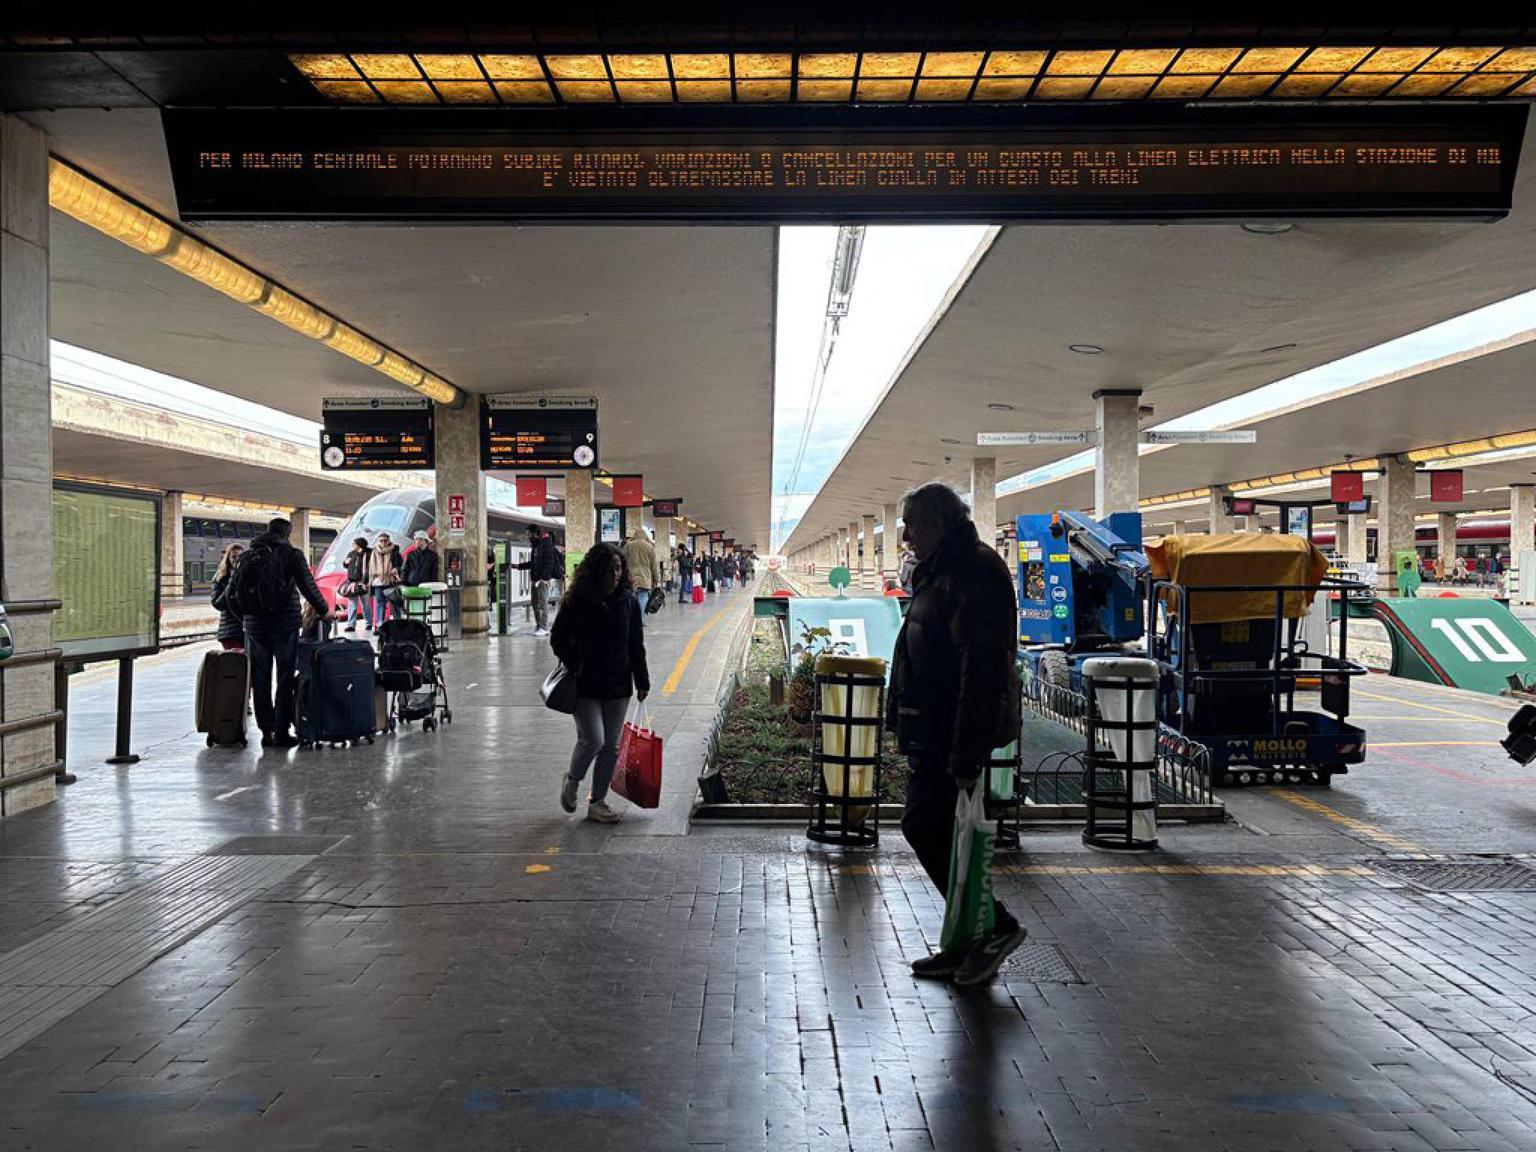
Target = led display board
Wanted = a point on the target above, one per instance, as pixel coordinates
(365, 433)
(846, 164)
(538, 432)
(554, 507)
(665, 509)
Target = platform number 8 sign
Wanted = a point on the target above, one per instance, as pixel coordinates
(1478, 638)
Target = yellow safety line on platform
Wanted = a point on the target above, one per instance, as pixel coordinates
(1434, 744)
(1354, 716)
(1147, 870)
(683, 661)
(1377, 836)
(1429, 707)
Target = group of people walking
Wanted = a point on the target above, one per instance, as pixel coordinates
(711, 573)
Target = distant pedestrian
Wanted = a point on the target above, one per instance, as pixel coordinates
(544, 568)
(949, 702)
(383, 576)
(684, 567)
(644, 569)
(420, 565)
(599, 636)
(231, 633)
(265, 588)
(355, 588)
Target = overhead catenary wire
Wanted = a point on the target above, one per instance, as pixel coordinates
(845, 267)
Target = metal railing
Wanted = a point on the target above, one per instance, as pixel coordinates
(57, 717)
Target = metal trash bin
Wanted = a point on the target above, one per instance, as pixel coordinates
(846, 751)
(1120, 778)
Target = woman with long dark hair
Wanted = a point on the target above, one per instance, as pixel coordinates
(600, 638)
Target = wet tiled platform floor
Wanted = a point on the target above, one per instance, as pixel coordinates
(465, 967)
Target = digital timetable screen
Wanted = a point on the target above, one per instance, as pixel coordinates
(368, 433)
(538, 433)
(391, 164)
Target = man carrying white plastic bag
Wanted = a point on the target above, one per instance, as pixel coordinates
(954, 698)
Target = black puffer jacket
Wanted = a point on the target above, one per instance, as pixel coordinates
(603, 641)
(296, 577)
(954, 685)
(231, 627)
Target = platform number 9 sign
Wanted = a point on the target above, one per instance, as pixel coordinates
(1478, 638)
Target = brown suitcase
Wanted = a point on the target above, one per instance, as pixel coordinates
(223, 682)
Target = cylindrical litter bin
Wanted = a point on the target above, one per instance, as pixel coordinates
(1120, 780)
(845, 751)
(428, 603)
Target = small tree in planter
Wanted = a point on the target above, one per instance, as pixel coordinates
(802, 682)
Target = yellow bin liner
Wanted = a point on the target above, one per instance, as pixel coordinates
(835, 736)
(1239, 558)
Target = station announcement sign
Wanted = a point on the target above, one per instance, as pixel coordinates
(368, 433)
(849, 164)
(542, 433)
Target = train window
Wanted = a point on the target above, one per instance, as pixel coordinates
(421, 520)
(190, 526)
(391, 518)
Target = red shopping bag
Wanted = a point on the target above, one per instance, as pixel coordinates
(637, 776)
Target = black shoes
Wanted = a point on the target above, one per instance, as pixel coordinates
(284, 740)
(939, 966)
(266, 739)
(983, 961)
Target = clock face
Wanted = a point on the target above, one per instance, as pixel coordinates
(334, 457)
(584, 455)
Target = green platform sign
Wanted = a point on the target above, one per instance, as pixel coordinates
(1464, 642)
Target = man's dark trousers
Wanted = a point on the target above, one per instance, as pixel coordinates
(264, 650)
(928, 823)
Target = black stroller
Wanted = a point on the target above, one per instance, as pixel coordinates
(411, 671)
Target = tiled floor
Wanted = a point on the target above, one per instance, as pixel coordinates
(467, 968)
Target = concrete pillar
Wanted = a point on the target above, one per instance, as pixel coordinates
(647, 521)
(300, 538)
(1180, 527)
(1219, 522)
(1394, 517)
(890, 540)
(580, 519)
(1359, 541)
(457, 432)
(1445, 541)
(1117, 466)
(26, 455)
(869, 568)
(984, 498)
(1342, 536)
(173, 552)
(1522, 532)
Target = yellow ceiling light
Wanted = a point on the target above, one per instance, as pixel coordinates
(1170, 72)
(97, 206)
(1474, 447)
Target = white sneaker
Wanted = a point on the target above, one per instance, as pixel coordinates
(598, 810)
(541, 631)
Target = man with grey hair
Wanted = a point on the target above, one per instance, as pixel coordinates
(954, 697)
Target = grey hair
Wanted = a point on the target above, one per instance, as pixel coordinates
(940, 501)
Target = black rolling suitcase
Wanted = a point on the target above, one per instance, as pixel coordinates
(335, 703)
(223, 682)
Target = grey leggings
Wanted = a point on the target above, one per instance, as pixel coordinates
(599, 724)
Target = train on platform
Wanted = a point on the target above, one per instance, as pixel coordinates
(1476, 539)
(402, 512)
(204, 538)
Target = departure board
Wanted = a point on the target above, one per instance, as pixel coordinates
(519, 433)
(1194, 164)
(373, 432)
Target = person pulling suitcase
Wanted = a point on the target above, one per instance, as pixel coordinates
(265, 589)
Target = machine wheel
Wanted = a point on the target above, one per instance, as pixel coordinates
(429, 725)
(1056, 672)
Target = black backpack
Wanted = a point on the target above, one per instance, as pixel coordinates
(259, 584)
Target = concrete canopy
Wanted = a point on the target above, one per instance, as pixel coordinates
(671, 328)
(1467, 399)
(1191, 314)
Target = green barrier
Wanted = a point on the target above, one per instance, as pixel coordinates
(1472, 643)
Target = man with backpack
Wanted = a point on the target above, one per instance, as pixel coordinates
(264, 589)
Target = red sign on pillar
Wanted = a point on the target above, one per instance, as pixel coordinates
(628, 491)
(531, 491)
(1446, 485)
(1347, 486)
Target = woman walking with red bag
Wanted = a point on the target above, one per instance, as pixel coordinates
(600, 637)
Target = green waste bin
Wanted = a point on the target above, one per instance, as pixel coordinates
(426, 603)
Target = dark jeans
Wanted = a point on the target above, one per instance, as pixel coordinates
(928, 823)
(265, 649)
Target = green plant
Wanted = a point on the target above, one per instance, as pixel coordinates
(801, 697)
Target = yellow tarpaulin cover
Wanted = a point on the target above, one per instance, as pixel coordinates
(1241, 558)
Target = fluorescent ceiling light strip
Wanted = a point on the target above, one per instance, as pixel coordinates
(97, 206)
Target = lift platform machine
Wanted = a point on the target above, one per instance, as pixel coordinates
(1221, 615)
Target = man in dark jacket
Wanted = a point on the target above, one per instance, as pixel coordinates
(950, 700)
(272, 629)
(420, 565)
(542, 566)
